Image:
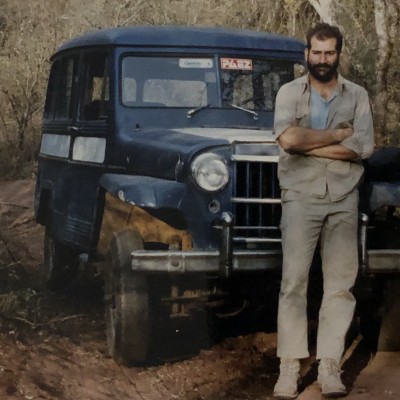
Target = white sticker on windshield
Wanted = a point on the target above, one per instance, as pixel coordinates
(195, 62)
(237, 64)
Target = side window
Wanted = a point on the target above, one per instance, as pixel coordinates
(95, 95)
(62, 89)
(49, 106)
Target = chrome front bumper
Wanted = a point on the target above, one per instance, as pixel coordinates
(377, 261)
(205, 261)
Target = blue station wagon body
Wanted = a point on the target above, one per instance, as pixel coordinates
(164, 96)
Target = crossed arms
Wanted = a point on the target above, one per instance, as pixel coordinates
(349, 139)
(317, 143)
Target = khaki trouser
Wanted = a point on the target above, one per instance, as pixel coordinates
(305, 220)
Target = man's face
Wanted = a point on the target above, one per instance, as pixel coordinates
(322, 59)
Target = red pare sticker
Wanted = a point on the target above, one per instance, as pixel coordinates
(243, 64)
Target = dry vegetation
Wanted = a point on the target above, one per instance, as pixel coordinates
(41, 332)
(31, 31)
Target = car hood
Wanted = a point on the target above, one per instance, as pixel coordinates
(162, 152)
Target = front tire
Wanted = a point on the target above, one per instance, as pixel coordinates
(127, 311)
(141, 327)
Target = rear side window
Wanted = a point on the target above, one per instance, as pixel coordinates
(62, 90)
(96, 92)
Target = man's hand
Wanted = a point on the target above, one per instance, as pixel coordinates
(345, 124)
(344, 133)
(345, 129)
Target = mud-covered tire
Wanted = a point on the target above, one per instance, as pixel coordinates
(139, 326)
(127, 305)
(60, 263)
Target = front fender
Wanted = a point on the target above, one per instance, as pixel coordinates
(148, 205)
(144, 191)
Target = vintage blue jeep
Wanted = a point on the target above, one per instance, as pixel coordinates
(158, 165)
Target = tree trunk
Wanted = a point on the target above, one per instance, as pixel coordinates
(325, 9)
(387, 27)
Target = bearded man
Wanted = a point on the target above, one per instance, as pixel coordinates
(323, 126)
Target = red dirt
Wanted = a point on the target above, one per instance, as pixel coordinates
(52, 345)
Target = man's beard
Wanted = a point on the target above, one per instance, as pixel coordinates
(329, 74)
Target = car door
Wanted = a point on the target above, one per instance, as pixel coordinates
(59, 116)
(89, 141)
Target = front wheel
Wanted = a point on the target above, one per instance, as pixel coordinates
(127, 310)
(145, 320)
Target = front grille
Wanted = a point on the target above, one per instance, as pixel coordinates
(256, 200)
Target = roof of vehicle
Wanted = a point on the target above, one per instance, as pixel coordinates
(183, 36)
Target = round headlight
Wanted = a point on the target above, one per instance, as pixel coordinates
(210, 172)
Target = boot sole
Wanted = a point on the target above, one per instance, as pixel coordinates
(334, 395)
(285, 396)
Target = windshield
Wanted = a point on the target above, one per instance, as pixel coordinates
(203, 82)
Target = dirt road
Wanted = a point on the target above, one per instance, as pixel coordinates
(52, 345)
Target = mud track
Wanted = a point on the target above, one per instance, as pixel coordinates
(52, 344)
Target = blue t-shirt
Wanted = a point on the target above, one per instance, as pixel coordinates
(319, 109)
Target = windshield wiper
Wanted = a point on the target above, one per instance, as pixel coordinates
(193, 111)
(253, 113)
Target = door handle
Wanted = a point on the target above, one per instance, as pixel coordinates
(74, 129)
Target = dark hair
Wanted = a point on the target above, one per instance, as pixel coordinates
(324, 31)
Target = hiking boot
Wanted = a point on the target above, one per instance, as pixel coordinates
(329, 378)
(286, 386)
